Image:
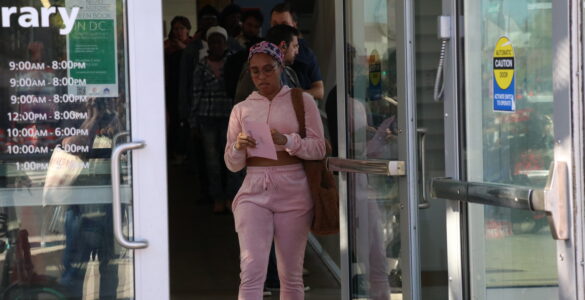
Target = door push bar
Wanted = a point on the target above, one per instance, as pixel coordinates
(116, 202)
(377, 167)
(553, 199)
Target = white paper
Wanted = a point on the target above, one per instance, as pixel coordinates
(264, 144)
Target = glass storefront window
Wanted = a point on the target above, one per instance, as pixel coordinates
(64, 104)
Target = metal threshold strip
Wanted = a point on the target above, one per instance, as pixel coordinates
(553, 199)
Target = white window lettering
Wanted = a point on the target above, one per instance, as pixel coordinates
(46, 12)
(69, 20)
(31, 17)
(6, 13)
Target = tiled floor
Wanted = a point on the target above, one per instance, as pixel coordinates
(204, 249)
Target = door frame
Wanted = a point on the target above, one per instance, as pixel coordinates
(408, 150)
(149, 174)
(568, 129)
(576, 28)
(342, 151)
(455, 211)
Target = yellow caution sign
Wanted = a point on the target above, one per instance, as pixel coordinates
(504, 87)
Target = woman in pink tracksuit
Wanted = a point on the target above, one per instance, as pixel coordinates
(274, 201)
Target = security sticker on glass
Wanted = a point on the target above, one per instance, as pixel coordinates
(504, 82)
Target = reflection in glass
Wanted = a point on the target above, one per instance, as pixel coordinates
(515, 249)
(63, 102)
(372, 126)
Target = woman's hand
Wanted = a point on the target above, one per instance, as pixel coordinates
(390, 135)
(278, 138)
(244, 141)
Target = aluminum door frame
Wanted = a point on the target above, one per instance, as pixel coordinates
(342, 150)
(569, 114)
(568, 133)
(408, 149)
(149, 174)
(455, 210)
(577, 29)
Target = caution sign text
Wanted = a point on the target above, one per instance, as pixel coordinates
(503, 66)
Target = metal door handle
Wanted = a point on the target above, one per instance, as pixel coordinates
(119, 136)
(116, 202)
(378, 167)
(553, 199)
(422, 132)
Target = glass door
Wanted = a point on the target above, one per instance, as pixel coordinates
(377, 150)
(81, 215)
(510, 140)
(513, 114)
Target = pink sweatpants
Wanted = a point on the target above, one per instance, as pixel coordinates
(273, 202)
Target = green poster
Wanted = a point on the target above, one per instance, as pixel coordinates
(92, 42)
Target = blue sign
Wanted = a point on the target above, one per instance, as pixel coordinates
(505, 99)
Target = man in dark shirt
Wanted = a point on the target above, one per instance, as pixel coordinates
(252, 21)
(305, 65)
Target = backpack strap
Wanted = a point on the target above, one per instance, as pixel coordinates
(299, 107)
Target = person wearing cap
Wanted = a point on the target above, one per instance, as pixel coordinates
(209, 116)
(196, 50)
(274, 202)
(207, 16)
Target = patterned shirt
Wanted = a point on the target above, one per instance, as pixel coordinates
(210, 98)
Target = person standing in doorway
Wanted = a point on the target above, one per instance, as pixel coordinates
(207, 17)
(274, 202)
(286, 38)
(305, 64)
(177, 131)
(192, 54)
(252, 21)
(231, 19)
(209, 115)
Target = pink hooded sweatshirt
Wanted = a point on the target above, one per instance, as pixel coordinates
(280, 115)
